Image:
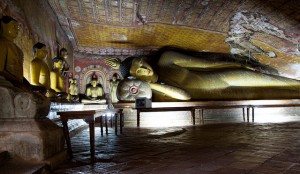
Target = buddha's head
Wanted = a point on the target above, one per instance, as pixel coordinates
(71, 81)
(94, 83)
(114, 77)
(39, 50)
(94, 80)
(63, 53)
(136, 67)
(9, 27)
(140, 68)
(57, 63)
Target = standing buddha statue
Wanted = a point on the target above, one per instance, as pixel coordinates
(113, 88)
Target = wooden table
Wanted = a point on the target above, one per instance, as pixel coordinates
(89, 116)
(114, 117)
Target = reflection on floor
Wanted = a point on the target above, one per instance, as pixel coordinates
(224, 144)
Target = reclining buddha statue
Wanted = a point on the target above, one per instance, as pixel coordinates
(182, 76)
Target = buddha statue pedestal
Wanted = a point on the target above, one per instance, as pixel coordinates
(24, 129)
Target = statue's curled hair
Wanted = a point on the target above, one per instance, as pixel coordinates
(37, 46)
(125, 66)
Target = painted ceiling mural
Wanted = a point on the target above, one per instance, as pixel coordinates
(264, 31)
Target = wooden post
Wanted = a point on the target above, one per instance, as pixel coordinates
(252, 114)
(138, 118)
(116, 123)
(92, 141)
(243, 114)
(101, 125)
(67, 137)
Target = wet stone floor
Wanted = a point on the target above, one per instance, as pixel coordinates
(212, 148)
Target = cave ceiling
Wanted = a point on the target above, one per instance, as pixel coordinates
(267, 31)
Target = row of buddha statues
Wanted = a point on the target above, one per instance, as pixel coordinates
(54, 82)
(50, 83)
(41, 78)
(176, 75)
(11, 63)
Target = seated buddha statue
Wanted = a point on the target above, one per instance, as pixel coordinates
(181, 76)
(94, 92)
(18, 99)
(39, 71)
(57, 80)
(11, 56)
(63, 55)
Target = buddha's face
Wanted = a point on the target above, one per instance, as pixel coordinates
(94, 83)
(58, 64)
(42, 52)
(140, 68)
(10, 30)
(64, 54)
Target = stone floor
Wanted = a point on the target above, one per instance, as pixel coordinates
(215, 147)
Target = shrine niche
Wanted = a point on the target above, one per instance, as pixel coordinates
(86, 76)
(94, 91)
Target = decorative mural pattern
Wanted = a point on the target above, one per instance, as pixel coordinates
(138, 27)
(210, 15)
(198, 14)
(243, 26)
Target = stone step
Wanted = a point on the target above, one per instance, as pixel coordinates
(16, 165)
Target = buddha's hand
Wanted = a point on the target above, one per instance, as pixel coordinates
(113, 62)
(171, 91)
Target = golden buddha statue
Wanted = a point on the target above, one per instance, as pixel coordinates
(39, 71)
(11, 56)
(19, 102)
(113, 88)
(57, 81)
(94, 92)
(73, 90)
(185, 77)
(63, 55)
